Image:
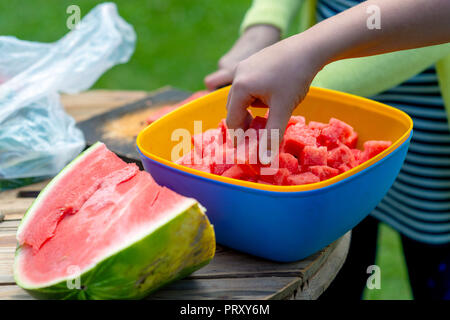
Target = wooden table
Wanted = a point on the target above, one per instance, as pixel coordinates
(230, 275)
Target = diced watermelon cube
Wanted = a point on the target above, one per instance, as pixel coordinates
(343, 168)
(288, 161)
(244, 172)
(188, 158)
(224, 159)
(235, 172)
(219, 169)
(302, 178)
(352, 140)
(296, 138)
(197, 141)
(247, 150)
(358, 154)
(296, 120)
(317, 125)
(210, 136)
(250, 170)
(324, 172)
(374, 147)
(281, 176)
(340, 156)
(345, 129)
(336, 132)
(258, 123)
(224, 134)
(314, 156)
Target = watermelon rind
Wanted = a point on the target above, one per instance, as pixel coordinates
(170, 250)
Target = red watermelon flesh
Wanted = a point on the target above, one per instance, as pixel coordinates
(323, 172)
(309, 153)
(314, 156)
(317, 125)
(281, 177)
(302, 178)
(296, 138)
(258, 123)
(296, 120)
(335, 133)
(240, 171)
(352, 140)
(87, 216)
(373, 147)
(341, 158)
(288, 161)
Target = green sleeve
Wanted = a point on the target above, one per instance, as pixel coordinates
(371, 75)
(277, 13)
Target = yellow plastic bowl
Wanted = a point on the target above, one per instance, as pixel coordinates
(283, 223)
(372, 120)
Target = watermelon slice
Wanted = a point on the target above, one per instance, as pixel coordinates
(110, 226)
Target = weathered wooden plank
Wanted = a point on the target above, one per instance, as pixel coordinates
(7, 250)
(229, 263)
(9, 226)
(13, 206)
(235, 289)
(91, 103)
(7, 240)
(315, 285)
(13, 292)
(242, 288)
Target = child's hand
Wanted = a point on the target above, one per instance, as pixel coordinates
(279, 76)
(252, 40)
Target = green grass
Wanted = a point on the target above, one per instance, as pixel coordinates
(179, 42)
(394, 274)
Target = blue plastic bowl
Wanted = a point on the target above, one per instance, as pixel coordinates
(281, 225)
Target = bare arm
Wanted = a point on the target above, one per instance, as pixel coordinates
(280, 75)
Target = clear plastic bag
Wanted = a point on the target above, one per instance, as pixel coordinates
(37, 137)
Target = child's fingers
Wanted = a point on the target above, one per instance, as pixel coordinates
(218, 79)
(278, 119)
(237, 104)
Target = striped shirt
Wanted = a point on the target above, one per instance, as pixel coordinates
(418, 204)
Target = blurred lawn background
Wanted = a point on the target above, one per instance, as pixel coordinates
(178, 43)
